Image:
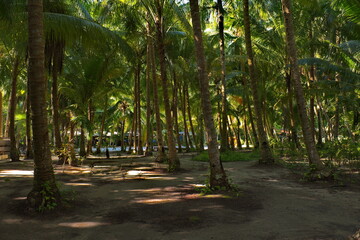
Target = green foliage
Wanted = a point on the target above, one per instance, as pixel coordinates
(342, 152)
(229, 156)
(49, 201)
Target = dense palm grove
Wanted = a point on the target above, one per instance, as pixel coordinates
(165, 76)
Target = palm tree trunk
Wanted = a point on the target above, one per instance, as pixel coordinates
(159, 136)
(138, 105)
(44, 180)
(90, 133)
(265, 152)
(29, 148)
(55, 102)
(101, 135)
(14, 153)
(82, 152)
(174, 163)
(183, 109)
(190, 119)
(217, 173)
(175, 111)
(224, 137)
(291, 46)
(149, 135)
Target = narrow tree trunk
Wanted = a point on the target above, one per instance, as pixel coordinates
(123, 146)
(14, 153)
(217, 173)
(175, 111)
(174, 163)
(29, 147)
(190, 119)
(90, 133)
(238, 133)
(159, 136)
(266, 155)
(135, 119)
(201, 133)
(138, 104)
(292, 51)
(183, 109)
(246, 133)
(224, 138)
(149, 135)
(82, 152)
(44, 180)
(101, 135)
(55, 102)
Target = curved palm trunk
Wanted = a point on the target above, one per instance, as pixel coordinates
(190, 119)
(183, 110)
(291, 46)
(175, 112)
(174, 163)
(44, 180)
(217, 173)
(1, 112)
(266, 155)
(14, 154)
(224, 134)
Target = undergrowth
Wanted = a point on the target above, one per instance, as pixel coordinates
(229, 156)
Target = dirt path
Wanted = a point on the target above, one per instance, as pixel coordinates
(148, 203)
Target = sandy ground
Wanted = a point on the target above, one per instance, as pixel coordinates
(136, 199)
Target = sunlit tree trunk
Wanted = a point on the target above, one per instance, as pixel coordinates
(292, 52)
(174, 163)
(44, 179)
(190, 119)
(138, 105)
(14, 153)
(217, 173)
(183, 110)
(265, 152)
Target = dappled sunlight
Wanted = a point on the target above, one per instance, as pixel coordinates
(16, 173)
(158, 200)
(82, 224)
(19, 198)
(12, 221)
(79, 184)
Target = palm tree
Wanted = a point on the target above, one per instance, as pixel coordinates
(217, 173)
(292, 52)
(266, 155)
(45, 193)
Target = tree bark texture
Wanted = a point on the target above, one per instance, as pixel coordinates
(265, 152)
(174, 163)
(44, 180)
(217, 173)
(292, 52)
(14, 153)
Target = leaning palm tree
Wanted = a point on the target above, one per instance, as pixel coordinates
(45, 194)
(217, 173)
(292, 52)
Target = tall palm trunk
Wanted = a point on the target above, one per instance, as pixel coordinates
(90, 114)
(224, 137)
(190, 119)
(82, 151)
(183, 110)
(159, 137)
(174, 163)
(138, 104)
(44, 180)
(175, 111)
(14, 153)
(55, 100)
(149, 134)
(29, 147)
(265, 152)
(217, 173)
(292, 51)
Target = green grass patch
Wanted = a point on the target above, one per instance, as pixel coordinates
(229, 156)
